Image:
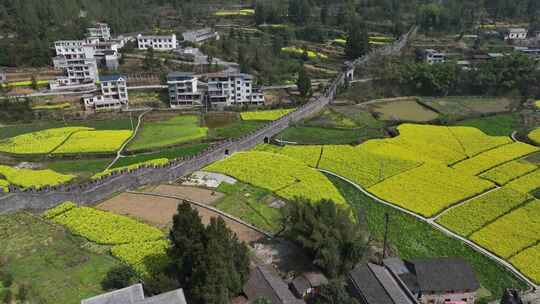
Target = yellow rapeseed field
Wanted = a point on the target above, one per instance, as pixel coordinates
(265, 115)
(146, 258)
(509, 171)
(94, 141)
(40, 142)
(528, 262)
(535, 136)
(37, 178)
(526, 183)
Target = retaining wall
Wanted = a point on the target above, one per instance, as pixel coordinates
(98, 190)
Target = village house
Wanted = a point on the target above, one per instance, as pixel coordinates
(113, 94)
(308, 284)
(183, 89)
(100, 31)
(427, 281)
(232, 89)
(201, 35)
(134, 294)
(158, 43)
(432, 56)
(515, 34)
(3, 76)
(264, 282)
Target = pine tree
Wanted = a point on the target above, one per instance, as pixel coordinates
(357, 42)
(303, 83)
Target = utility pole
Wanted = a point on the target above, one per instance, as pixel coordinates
(386, 220)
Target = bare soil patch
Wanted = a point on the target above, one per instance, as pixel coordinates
(159, 211)
(199, 195)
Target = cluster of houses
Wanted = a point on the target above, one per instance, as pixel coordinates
(80, 60)
(393, 281)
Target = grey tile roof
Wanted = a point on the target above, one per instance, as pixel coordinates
(377, 285)
(265, 282)
(444, 274)
(128, 295)
(315, 279)
(301, 285)
(134, 294)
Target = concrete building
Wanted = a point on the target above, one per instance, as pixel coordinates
(73, 49)
(3, 76)
(232, 89)
(515, 34)
(427, 281)
(113, 94)
(158, 43)
(100, 31)
(432, 56)
(201, 35)
(183, 90)
(76, 58)
(135, 295)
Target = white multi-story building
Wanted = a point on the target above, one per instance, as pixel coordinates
(113, 95)
(158, 43)
(515, 34)
(432, 56)
(183, 90)
(232, 89)
(201, 35)
(74, 49)
(76, 58)
(100, 31)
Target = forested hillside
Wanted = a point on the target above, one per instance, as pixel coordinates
(28, 27)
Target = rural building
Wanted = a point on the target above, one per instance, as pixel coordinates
(76, 58)
(428, 281)
(135, 295)
(107, 53)
(308, 284)
(183, 89)
(532, 52)
(232, 89)
(158, 43)
(515, 34)
(264, 282)
(113, 95)
(3, 76)
(432, 56)
(100, 31)
(201, 35)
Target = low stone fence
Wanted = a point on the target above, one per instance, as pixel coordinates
(119, 181)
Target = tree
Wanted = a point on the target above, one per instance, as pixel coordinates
(324, 14)
(303, 83)
(34, 82)
(150, 62)
(299, 11)
(357, 42)
(333, 237)
(426, 79)
(334, 293)
(210, 262)
(119, 277)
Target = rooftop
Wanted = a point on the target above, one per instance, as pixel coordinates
(444, 274)
(265, 282)
(106, 78)
(134, 294)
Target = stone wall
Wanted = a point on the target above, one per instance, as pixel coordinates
(98, 190)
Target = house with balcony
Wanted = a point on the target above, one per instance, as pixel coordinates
(183, 90)
(76, 58)
(199, 36)
(232, 89)
(157, 42)
(100, 31)
(515, 34)
(113, 94)
(423, 281)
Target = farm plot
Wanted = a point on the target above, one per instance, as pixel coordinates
(404, 110)
(39, 142)
(492, 158)
(513, 232)
(309, 155)
(167, 133)
(55, 266)
(26, 178)
(147, 259)
(477, 213)
(456, 107)
(280, 174)
(106, 228)
(265, 115)
(497, 125)
(526, 183)
(528, 262)
(535, 136)
(509, 171)
(429, 188)
(4, 185)
(94, 142)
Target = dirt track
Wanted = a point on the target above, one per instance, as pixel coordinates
(159, 211)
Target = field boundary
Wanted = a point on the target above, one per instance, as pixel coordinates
(444, 230)
(446, 210)
(210, 208)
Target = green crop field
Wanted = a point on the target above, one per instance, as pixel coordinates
(413, 239)
(497, 125)
(235, 129)
(404, 110)
(81, 167)
(170, 132)
(54, 265)
(170, 154)
(250, 204)
(317, 135)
